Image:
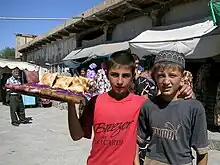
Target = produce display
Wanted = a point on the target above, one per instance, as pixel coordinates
(56, 87)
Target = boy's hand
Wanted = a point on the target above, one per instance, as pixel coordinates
(186, 92)
(71, 102)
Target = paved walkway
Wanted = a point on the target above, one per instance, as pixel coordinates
(46, 141)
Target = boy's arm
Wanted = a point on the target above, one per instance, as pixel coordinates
(75, 128)
(136, 159)
(143, 130)
(81, 127)
(202, 159)
(143, 124)
(199, 139)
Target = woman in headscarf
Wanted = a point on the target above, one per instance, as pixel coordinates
(91, 72)
(102, 83)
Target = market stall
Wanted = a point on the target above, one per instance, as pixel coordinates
(195, 41)
(199, 41)
(29, 73)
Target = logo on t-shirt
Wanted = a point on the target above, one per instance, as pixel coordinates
(169, 132)
(110, 132)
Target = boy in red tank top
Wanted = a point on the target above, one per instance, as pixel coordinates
(112, 115)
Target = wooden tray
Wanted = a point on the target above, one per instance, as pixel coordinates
(48, 93)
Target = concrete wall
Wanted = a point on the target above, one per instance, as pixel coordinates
(53, 52)
(123, 31)
(187, 12)
(132, 28)
(96, 41)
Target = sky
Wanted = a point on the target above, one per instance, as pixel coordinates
(36, 8)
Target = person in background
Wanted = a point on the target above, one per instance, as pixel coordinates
(88, 95)
(17, 110)
(138, 68)
(137, 72)
(101, 83)
(91, 71)
(145, 85)
(83, 72)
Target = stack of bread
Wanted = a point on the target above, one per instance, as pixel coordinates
(73, 84)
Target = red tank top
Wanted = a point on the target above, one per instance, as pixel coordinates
(115, 130)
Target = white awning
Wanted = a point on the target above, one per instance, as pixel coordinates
(97, 51)
(195, 41)
(11, 64)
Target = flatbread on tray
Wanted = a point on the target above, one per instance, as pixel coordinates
(86, 81)
(60, 96)
(48, 79)
(47, 92)
(22, 88)
(62, 82)
(73, 84)
(77, 88)
(54, 87)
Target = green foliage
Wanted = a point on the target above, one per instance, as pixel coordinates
(8, 53)
(214, 6)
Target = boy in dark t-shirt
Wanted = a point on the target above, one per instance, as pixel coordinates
(174, 125)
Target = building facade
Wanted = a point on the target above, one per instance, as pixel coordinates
(22, 39)
(115, 21)
(110, 22)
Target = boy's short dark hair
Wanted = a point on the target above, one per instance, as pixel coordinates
(168, 59)
(121, 58)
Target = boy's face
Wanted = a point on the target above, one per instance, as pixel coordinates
(168, 80)
(120, 78)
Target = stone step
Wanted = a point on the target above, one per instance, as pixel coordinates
(214, 145)
(214, 140)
